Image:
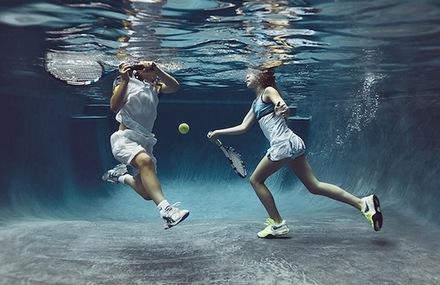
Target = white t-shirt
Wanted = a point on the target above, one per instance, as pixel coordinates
(139, 111)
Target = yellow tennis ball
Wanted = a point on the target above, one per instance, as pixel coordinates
(183, 128)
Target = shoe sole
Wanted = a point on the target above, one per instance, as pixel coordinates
(109, 180)
(178, 221)
(377, 217)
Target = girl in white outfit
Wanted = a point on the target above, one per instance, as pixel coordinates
(270, 110)
(135, 99)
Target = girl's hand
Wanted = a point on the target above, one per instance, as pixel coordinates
(281, 110)
(212, 136)
(124, 69)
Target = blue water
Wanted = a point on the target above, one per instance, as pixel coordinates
(363, 76)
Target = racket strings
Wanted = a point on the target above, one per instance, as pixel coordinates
(237, 162)
(77, 71)
(74, 70)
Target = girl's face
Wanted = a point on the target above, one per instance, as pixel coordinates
(251, 81)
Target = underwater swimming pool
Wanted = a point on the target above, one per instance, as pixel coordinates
(363, 75)
(361, 78)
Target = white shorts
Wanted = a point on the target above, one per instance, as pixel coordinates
(126, 144)
(292, 147)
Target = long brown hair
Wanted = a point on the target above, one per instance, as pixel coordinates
(266, 78)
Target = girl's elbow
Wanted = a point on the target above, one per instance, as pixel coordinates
(245, 129)
(175, 87)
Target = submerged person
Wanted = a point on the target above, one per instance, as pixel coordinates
(135, 99)
(271, 112)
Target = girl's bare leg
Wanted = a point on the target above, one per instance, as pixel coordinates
(136, 184)
(264, 169)
(148, 178)
(304, 172)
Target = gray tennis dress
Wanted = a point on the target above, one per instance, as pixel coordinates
(284, 142)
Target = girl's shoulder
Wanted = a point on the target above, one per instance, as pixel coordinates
(270, 89)
(268, 92)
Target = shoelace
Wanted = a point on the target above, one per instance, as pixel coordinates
(172, 207)
(269, 222)
(121, 170)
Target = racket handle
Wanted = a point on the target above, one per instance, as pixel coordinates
(217, 141)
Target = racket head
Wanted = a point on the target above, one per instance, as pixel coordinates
(236, 161)
(73, 69)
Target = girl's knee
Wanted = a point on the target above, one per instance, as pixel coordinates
(315, 188)
(253, 181)
(145, 161)
(313, 191)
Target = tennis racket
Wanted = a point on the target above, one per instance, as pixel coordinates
(234, 159)
(78, 69)
(74, 68)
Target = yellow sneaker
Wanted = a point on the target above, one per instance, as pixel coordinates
(274, 229)
(371, 211)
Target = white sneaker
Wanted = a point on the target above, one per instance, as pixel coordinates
(273, 229)
(372, 212)
(113, 174)
(171, 215)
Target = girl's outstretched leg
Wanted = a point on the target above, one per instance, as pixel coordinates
(304, 172)
(369, 206)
